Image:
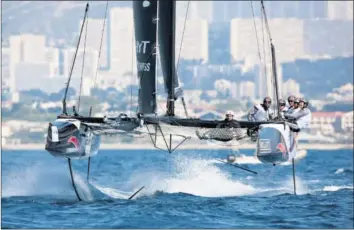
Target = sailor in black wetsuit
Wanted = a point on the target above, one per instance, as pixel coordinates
(227, 130)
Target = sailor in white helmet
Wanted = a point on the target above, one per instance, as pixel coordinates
(229, 115)
(291, 101)
(302, 115)
(261, 112)
(227, 130)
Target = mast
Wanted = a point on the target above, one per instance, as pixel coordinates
(73, 64)
(166, 36)
(274, 68)
(274, 64)
(145, 13)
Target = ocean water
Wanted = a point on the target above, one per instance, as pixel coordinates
(185, 189)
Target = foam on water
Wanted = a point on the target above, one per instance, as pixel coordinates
(334, 188)
(38, 179)
(43, 179)
(114, 193)
(338, 171)
(194, 176)
(186, 174)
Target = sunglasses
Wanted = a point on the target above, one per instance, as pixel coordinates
(269, 102)
(291, 101)
(282, 104)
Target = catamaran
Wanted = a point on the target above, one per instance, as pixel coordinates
(73, 136)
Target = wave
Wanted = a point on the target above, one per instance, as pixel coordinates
(184, 174)
(193, 176)
(342, 170)
(334, 188)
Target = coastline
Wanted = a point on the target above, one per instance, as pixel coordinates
(202, 146)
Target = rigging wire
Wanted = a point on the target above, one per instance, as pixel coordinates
(258, 49)
(83, 67)
(184, 28)
(73, 62)
(274, 67)
(132, 73)
(264, 55)
(179, 55)
(99, 52)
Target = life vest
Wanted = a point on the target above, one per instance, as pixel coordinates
(260, 114)
(289, 110)
(304, 121)
(282, 113)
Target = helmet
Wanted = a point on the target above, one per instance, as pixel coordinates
(282, 102)
(297, 100)
(230, 112)
(304, 101)
(291, 97)
(267, 99)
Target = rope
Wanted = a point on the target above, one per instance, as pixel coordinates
(266, 22)
(131, 76)
(273, 58)
(179, 56)
(74, 59)
(83, 65)
(184, 27)
(264, 56)
(258, 49)
(99, 53)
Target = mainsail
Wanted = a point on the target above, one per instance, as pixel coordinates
(166, 36)
(145, 15)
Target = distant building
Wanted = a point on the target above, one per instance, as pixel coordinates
(326, 122)
(287, 35)
(291, 87)
(32, 76)
(324, 37)
(7, 74)
(89, 57)
(224, 11)
(219, 43)
(347, 121)
(28, 48)
(94, 37)
(243, 41)
(296, 9)
(340, 10)
(122, 43)
(247, 90)
(198, 10)
(195, 39)
(52, 57)
(228, 10)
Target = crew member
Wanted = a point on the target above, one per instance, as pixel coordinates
(261, 112)
(291, 100)
(227, 130)
(302, 115)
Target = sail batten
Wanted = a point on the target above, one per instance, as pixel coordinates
(145, 13)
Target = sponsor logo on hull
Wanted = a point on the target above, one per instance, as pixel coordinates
(74, 141)
(281, 147)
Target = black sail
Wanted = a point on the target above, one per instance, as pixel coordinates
(166, 36)
(145, 24)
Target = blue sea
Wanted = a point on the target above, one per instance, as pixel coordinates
(185, 189)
